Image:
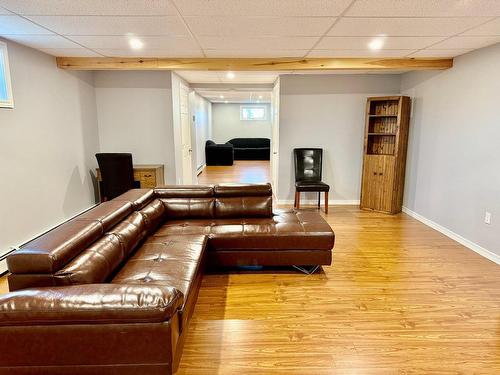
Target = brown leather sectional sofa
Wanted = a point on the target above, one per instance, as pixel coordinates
(112, 290)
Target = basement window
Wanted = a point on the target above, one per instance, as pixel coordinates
(253, 112)
(6, 100)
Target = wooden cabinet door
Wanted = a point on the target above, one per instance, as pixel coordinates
(386, 183)
(370, 182)
(377, 187)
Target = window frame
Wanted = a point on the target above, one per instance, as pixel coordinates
(253, 106)
(9, 103)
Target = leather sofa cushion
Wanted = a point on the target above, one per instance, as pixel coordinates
(138, 197)
(95, 264)
(108, 213)
(289, 230)
(185, 191)
(168, 260)
(50, 252)
(195, 208)
(243, 207)
(90, 304)
(130, 232)
(154, 214)
(243, 190)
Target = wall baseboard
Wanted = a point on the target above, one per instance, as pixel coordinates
(334, 202)
(200, 169)
(454, 236)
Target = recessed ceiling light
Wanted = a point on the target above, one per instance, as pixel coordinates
(230, 75)
(258, 101)
(222, 96)
(260, 96)
(225, 101)
(135, 43)
(376, 44)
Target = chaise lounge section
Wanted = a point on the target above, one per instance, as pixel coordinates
(112, 290)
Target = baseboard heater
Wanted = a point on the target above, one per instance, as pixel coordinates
(3, 257)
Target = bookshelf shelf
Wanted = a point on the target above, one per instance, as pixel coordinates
(384, 159)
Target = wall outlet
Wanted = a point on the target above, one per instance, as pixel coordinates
(487, 217)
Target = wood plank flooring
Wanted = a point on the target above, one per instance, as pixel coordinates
(399, 298)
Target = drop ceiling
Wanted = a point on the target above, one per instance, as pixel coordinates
(252, 28)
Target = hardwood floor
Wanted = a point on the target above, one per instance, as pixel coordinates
(250, 171)
(399, 298)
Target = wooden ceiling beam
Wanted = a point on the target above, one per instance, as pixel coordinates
(257, 64)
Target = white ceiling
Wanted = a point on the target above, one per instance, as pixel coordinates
(252, 28)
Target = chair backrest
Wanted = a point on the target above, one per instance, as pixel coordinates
(308, 164)
(117, 173)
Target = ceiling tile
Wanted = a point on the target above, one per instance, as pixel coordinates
(425, 8)
(43, 41)
(262, 7)
(258, 26)
(92, 25)
(360, 53)
(90, 7)
(467, 42)
(70, 52)
(251, 43)
(15, 25)
(404, 26)
(109, 52)
(439, 52)
(255, 53)
(391, 42)
(4, 11)
(490, 28)
(150, 42)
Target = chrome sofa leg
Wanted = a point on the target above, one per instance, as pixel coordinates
(308, 270)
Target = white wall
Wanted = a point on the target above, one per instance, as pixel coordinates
(47, 146)
(327, 111)
(453, 165)
(135, 115)
(201, 109)
(227, 124)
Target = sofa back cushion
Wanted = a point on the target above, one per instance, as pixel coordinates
(93, 265)
(189, 208)
(243, 201)
(154, 214)
(243, 207)
(250, 142)
(99, 261)
(51, 251)
(188, 201)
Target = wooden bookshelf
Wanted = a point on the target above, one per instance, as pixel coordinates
(384, 159)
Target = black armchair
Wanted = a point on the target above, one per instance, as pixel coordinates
(219, 154)
(308, 171)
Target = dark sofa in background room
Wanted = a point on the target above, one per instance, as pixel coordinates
(219, 154)
(251, 148)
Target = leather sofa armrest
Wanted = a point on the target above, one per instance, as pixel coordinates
(90, 304)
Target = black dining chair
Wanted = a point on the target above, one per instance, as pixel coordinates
(117, 174)
(308, 170)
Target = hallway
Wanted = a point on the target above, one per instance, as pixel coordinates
(249, 171)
